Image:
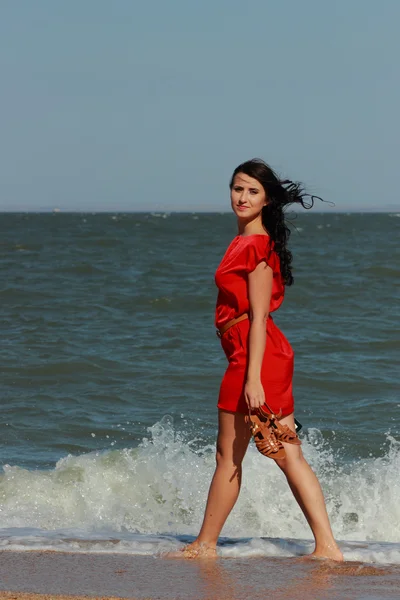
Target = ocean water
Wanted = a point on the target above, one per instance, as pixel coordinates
(110, 369)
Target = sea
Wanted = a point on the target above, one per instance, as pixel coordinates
(110, 371)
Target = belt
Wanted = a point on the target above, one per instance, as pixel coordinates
(220, 332)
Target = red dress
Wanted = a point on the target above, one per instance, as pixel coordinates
(241, 257)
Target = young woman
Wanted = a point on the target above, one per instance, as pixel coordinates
(251, 279)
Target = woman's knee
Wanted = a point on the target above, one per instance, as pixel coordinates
(291, 461)
(227, 460)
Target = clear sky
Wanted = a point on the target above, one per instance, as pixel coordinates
(126, 105)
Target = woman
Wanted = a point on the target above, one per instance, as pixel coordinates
(251, 279)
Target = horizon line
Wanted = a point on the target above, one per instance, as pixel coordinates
(57, 211)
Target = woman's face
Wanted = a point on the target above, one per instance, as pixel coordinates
(247, 197)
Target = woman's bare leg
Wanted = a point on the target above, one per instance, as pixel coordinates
(306, 489)
(233, 439)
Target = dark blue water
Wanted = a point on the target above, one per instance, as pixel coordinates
(111, 367)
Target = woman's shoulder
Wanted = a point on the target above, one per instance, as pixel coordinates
(258, 247)
(254, 236)
(256, 240)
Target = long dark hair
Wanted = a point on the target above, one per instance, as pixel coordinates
(280, 194)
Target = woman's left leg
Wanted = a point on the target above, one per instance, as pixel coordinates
(307, 490)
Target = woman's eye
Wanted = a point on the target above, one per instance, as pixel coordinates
(237, 189)
(253, 192)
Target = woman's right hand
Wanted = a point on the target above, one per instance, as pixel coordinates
(254, 394)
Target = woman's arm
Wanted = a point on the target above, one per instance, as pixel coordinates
(260, 290)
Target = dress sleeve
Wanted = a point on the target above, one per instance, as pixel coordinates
(260, 248)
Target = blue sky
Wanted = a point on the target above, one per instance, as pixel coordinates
(126, 105)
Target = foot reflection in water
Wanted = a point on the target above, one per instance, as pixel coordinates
(281, 578)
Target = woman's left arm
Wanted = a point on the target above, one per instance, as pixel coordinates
(259, 290)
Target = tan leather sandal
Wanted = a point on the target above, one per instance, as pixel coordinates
(283, 433)
(265, 438)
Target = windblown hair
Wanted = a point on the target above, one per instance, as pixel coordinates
(280, 194)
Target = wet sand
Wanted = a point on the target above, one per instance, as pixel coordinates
(37, 575)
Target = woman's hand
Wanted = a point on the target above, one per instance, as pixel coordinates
(254, 394)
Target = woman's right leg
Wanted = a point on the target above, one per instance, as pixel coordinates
(233, 439)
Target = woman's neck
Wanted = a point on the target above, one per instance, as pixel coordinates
(251, 227)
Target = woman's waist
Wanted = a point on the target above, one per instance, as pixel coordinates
(223, 325)
(225, 312)
(236, 339)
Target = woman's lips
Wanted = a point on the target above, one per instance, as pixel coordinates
(243, 207)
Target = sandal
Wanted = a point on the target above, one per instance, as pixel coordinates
(265, 439)
(283, 433)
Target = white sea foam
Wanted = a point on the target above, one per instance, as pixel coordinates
(155, 545)
(146, 499)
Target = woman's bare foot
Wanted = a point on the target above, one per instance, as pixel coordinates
(199, 550)
(328, 552)
(195, 550)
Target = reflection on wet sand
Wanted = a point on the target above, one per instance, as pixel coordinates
(132, 576)
(288, 579)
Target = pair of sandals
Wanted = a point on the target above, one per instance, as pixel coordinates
(269, 433)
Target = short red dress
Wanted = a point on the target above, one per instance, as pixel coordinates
(242, 256)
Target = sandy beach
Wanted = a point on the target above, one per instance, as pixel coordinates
(28, 596)
(43, 575)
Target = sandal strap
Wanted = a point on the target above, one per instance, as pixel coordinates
(282, 432)
(265, 438)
